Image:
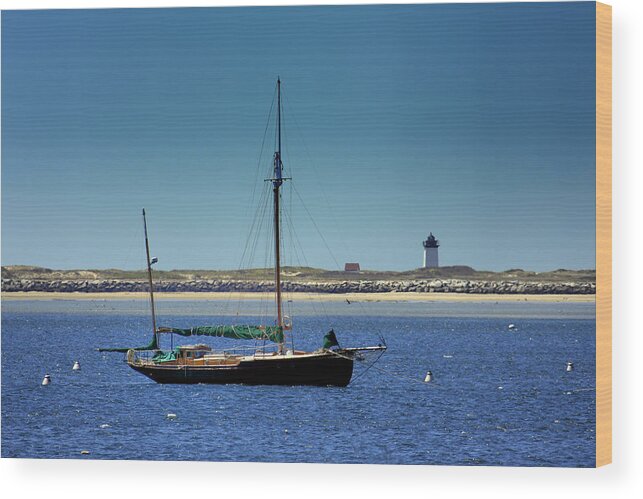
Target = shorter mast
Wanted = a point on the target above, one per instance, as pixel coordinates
(149, 277)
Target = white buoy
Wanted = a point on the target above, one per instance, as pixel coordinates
(171, 415)
(46, 380)
(428, 377)
(570, 367)
(76, 366)
(511, 326)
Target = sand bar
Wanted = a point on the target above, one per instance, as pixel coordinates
(328, 297)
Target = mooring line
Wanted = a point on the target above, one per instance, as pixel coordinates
(394, 374)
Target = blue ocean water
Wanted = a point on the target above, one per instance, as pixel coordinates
(499, 396)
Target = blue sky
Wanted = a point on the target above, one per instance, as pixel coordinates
(475, 122)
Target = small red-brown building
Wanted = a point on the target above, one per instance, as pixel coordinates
(351, 267)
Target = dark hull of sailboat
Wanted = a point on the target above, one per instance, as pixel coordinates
(324, 370)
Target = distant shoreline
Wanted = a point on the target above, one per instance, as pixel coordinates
(305, 280)
(327, 297)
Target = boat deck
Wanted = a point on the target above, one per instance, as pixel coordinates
(225, 359)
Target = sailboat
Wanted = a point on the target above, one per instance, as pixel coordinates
(270, 363)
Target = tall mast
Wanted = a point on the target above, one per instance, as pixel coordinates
(277, 180)
(149, 277)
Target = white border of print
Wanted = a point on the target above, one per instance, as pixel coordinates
(71, 479)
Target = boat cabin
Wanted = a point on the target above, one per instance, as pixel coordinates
(192, 352)
(196, 355)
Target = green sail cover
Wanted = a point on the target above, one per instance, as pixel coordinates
(270, 333)
(161, 356)
(152, 346)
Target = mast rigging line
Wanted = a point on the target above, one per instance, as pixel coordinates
(359, 303)
(315, 170)
(280, 217)
(258, 210)
(315, 224)
(263, 141)
(329, 205)
(300, 256)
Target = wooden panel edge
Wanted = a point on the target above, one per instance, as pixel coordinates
(603, 234)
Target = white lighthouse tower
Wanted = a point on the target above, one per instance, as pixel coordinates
(431, 246)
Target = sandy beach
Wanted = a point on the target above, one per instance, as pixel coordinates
(328, 297)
